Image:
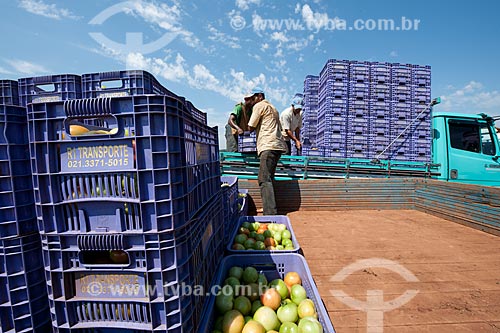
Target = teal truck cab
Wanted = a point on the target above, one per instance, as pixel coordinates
(465, 148)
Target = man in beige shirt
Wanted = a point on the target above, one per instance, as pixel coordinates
(270, 146)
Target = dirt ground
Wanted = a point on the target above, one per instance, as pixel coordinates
(453, 269)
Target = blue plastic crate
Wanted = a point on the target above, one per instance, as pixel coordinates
(9, 92)
(156, 165)
(154, 300)
(333, 151)
(401, 89)
(50, 88)
(17, 203)
(24, 306)
(401, 98)
(197, 113)
(362, 103)
(273, 266)
(380, 97)
(421, 99)
(229, 186)
(312, 151)
(263, 219)
(247, 142)
(422, 82)
(334, 65)
(122, 83)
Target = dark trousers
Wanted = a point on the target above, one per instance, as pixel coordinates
(288, 147)
(268, 162)
(231, 140)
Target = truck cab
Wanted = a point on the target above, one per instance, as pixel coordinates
(466, 147)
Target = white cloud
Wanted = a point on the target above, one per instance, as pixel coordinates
(39, 7)
(164, 16)
(202, 78)
(5, 71)
(220, 37)
(245, 4)
(175, 70)
(314, 20)
(233, 85)
(26, 67)
(279, 36)
(472, 98)
(393, 54)
(264, 47)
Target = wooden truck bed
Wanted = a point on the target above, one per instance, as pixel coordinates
(457, 269)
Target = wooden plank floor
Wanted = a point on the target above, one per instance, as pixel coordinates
(457, 269)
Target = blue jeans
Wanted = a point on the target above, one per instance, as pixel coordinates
(268, 162)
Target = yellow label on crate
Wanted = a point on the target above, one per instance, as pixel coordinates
(97, 156)
(100, 285)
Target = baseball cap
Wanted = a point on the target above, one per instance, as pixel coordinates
(297, 103)
(254, 91)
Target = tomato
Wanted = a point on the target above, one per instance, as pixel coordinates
(292, 278)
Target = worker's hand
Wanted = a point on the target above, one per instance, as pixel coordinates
(240, 131)
(298, 144)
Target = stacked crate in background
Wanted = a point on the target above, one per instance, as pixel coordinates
(24, 304)
(358, 115)
(333, 108)
(373, 110)
(128, 201)
(420, 98)
(309, 130)
(401, 112)
(380, 106)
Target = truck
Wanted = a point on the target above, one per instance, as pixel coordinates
(375, 231)
(465, 148)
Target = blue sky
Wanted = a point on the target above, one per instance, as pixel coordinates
(212, 52)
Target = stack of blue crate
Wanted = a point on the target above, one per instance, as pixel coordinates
(128, 201)
(333, 107)
(401, 111)
(372, 110)
(24, 305)
(421, 97)
(309, 130)
(358, 117)
(380, 107)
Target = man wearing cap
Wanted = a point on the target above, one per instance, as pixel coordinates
(238, 122)
(270, 146)
(291, 121)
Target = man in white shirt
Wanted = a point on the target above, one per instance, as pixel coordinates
(291, 122)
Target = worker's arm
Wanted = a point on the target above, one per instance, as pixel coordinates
(232, 122)
(295, 137)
